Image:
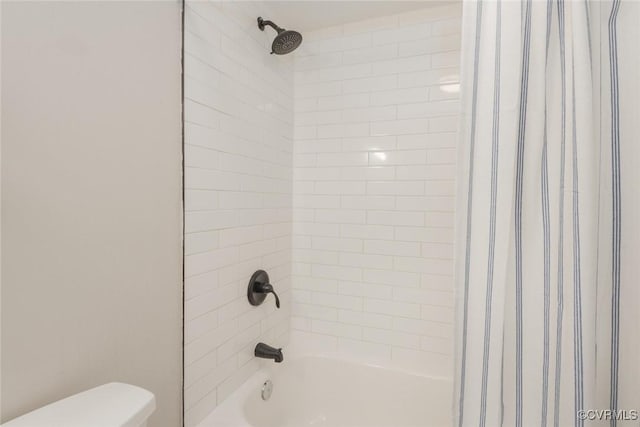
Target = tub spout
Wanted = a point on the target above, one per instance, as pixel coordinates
(265, 351)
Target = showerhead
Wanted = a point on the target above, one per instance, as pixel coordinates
(285, 42)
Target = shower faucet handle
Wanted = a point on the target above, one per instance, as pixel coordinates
(267, 288)
(259, 288)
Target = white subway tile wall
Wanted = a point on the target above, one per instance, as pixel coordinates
(376, 106)
(238, 196)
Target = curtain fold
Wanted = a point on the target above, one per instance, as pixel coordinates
(539, 215)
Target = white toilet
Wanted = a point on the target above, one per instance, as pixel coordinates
(109, 405)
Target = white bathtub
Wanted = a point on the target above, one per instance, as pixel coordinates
(321, 391)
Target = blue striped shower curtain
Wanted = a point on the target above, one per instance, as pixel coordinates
(539, 246)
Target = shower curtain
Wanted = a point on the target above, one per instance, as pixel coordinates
(541, 320)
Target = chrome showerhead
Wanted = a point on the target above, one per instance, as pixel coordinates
(285, 42)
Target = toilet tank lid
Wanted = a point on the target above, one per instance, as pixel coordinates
(108, 405)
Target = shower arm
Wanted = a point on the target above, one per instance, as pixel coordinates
(262, 23)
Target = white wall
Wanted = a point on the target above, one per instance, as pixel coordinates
(238, 158)
(91, 201)
(374, 188)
